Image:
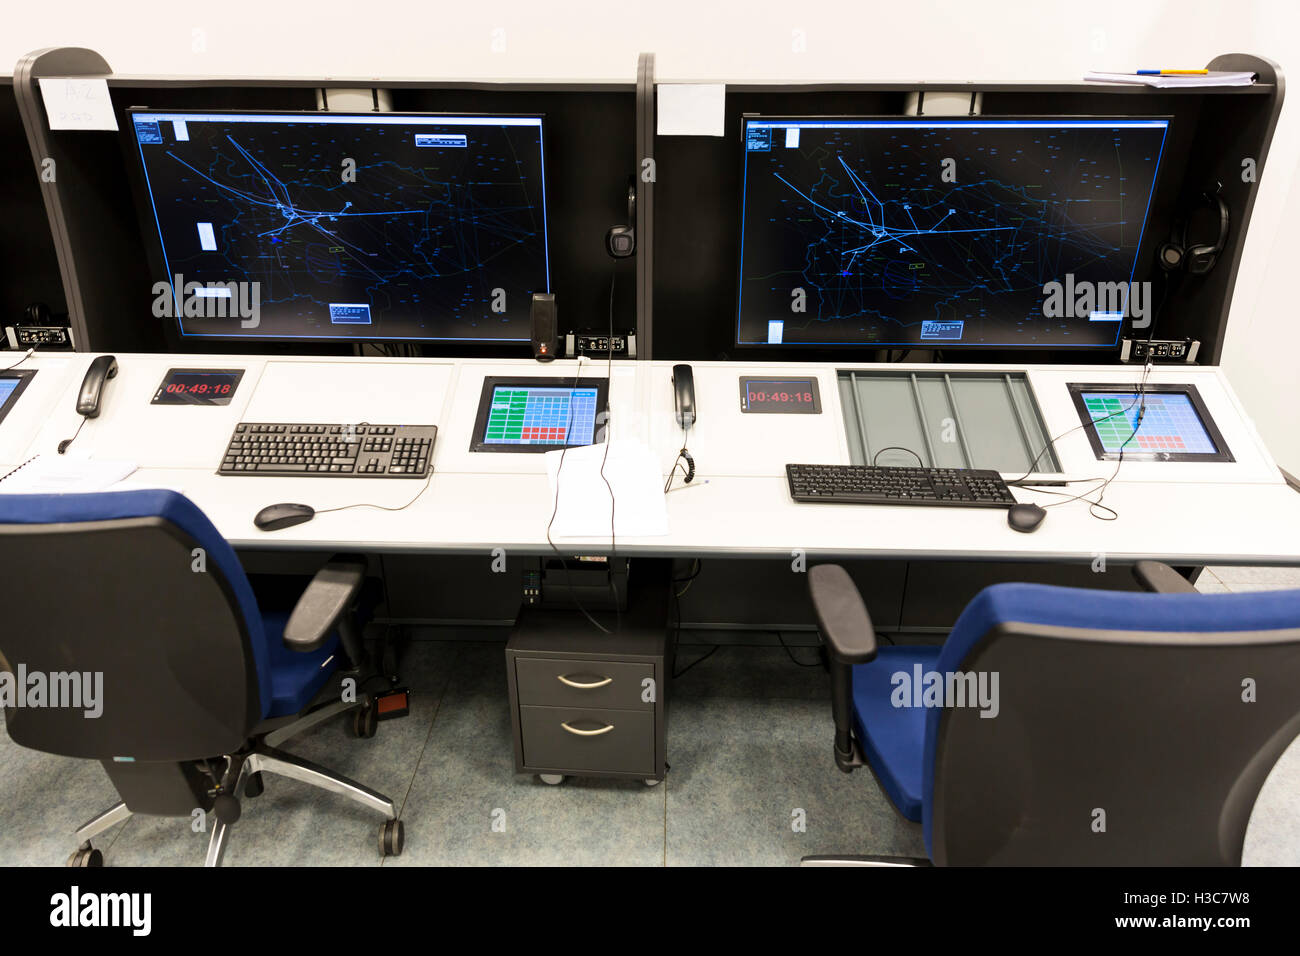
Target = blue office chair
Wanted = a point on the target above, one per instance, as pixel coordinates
(1123, 729)
(199, 683)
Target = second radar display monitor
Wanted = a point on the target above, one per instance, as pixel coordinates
(366, 226)
(941, 232)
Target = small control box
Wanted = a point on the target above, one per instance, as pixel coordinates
(1160, 350)
(39, 336)
(599, 343)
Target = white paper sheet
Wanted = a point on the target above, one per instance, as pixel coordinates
(583, 511)
(62, 475)
(77, 103)
(692, 109)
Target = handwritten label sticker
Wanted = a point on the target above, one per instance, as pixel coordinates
(78, 103)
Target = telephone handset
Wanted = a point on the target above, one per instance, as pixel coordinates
(91, 393)
(684, 394)
(92, 386)
(684, 407)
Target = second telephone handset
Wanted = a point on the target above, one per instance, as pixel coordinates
(91, 394)
(684, 395)
(684, 408)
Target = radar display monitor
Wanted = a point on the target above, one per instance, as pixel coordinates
(539, 414)
(1159, 423)
(11, 386)
(371, 226)
(943, 232)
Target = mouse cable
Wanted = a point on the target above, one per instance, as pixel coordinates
(559, 471)
(874, 458)
(427, 481)
(1140, 401)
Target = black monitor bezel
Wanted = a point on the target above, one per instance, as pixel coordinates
(1145, 243)
(24, 378)
(492, 382)
(1077, 391)
(157, 259)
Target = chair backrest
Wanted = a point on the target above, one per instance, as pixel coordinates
(136, 590)
(1129, 728)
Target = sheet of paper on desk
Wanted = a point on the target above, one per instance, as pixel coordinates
(63, 475)
(583, 511)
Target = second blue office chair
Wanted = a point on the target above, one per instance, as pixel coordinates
(1126, 728)
(199, 683)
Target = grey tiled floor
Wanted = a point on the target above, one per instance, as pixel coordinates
(749, 743)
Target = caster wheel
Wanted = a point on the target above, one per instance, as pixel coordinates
(365, 721)
(649, 782)
(254, 786)
(86, 855)
(551, 779)
(227, 809)
(392, 838)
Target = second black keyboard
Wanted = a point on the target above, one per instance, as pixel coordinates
(330, 451)
(885, 485)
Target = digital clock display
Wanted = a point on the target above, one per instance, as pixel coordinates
(780, 396)
(198, 386)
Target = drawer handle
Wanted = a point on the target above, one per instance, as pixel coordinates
(584, 685)
(586, 733)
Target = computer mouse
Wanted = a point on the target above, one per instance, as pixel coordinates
(283, 515)
(1025, 516)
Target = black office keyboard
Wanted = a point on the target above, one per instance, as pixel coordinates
(330, 451)
(883, 485)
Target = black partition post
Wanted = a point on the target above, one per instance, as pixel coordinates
(73, 180)
(645, 204)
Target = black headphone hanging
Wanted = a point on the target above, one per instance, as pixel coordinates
(1200, 258)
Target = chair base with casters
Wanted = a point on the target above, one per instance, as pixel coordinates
(1069, 726)
(242, 777)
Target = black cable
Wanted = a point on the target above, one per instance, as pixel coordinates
(609, 378)
(790, 654)
(425, 487)
(568, 578)
(919, 460)
(64, 445)
(698, 660)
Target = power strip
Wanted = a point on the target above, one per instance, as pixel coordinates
(39, 336)
(1162, 350)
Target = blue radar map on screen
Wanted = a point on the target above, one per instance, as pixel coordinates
(938, 232)
(356, 226)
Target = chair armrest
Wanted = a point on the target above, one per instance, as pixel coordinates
(842, 618)
(1161, 578)
(331, 594)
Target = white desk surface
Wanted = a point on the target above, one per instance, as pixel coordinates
(1238, 512)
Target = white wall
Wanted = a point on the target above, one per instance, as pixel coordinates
(899, 40)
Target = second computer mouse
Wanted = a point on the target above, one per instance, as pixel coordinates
(284, 515)
(1025, 516)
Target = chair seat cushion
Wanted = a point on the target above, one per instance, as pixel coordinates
(296, 678)
(893, 737)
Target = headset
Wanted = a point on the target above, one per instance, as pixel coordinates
(1196, 259)
(620, 241)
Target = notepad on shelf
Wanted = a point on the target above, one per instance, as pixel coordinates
(62, 475)
(585, 478)
(1165, 81)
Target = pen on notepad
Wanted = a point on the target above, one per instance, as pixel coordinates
(1173, 72)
